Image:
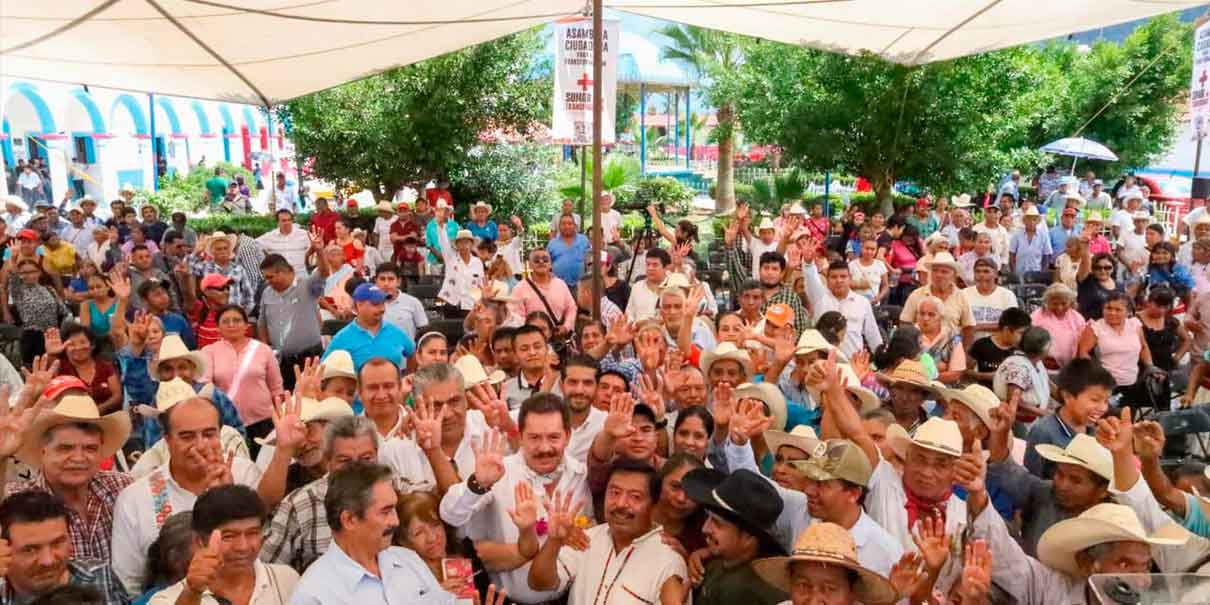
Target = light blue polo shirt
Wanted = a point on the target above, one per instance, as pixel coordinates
(389, 342)
(1030, 252)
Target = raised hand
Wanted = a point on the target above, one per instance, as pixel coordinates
(793, 256)
(562, 515)
(308, 378)
(651, 392)
(525, 507)
(783, 349)
(932, 541)
(493, 596)
(976, 582)
(181, 269)
(288, 426)
(218, 472)
(697, 565)
(54, 343)
(1116, 434)
(693, 303)
(731, 231)
(860, 364)
(909, 575)
(724, 404)
(751, 419)
(13, 423)
(971, 469)
(494, 408)
(41, 372)
(316, 235)
(619, 423)
(120, 284)
(1148, 439)
(489, 459)
(621, 333)
(205, 564)
(427, 423)
(137, 329)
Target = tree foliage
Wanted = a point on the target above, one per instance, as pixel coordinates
(515, 178)
(418, 122)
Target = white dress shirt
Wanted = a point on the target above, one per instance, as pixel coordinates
(336, 579)
(642, 303)
(292, 245)
(486, 517)
(611, 222)
(636, 574)
(861, 330)
(582, 436)
(143, 507)
(511, 252)
(273, 585)
(460, 275)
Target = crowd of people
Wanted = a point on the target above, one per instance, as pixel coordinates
(948, 404)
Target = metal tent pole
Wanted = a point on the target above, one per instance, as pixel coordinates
(597, 282)
(642, 128)
(155, 161)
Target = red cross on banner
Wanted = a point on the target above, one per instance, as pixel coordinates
(584, 82)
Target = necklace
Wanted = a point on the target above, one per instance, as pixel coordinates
(621, 568)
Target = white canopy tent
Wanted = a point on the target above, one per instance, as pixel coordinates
(268, 51)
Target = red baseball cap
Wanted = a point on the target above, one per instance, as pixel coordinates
(352, 203)
(59, 384)
(922, 202)
(28, 234)
(214, 280)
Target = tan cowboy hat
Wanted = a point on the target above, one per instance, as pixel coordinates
(482, 204)
(771, 396)
(827, 544)
(962, 201)
(502, 293)
(910, 372)
(175, 391)
(71, 409)
(338, 364)
(1084, 451)
(1075, 195)
(1031, 211)
(801, 437)
(464, 234)
(837, 459)
(1094, 217)
(976, 397)
(765, 223)
(936, 238)
(936, 434)
(1140, 215)
(127, 188)
(384, 207)
(810, 342)
(473, 373)
(798, 209)
(172, 347)
(944, 259)
(725, 350)
(218, 236)
(898, 438)
(1101, 524)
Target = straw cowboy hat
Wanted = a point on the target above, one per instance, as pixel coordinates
(115, 427)
(771, 396)
(314, 410)
(976, 397)
(500, 291)
(172, 347)
(482, 204)
(473, 373)
(218, 236)
(798, 209)
(1094, 217)
(962, 201)
(802, 437)
(464, 234)
(909, 372)
(812, 341)
(898, 438)
(175, 391)
(766, 223)
(384, 207)
(837, 459)
(944, 259)
(1031, 211)
(827, 544)
(1141, 215)
(1074, 195)
(16, 202)
(1084, 451)
(725, 351)
(338, 364)
(1101, 524)
(936, 434)
(742, 497)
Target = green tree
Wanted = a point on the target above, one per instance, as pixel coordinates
(712, 55)
(418, 122)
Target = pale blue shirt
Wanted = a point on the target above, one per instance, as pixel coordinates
(1030, 252)
(335, 579)
(1195, 518)
(406, 312)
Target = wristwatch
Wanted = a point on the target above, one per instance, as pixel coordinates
(473, 484)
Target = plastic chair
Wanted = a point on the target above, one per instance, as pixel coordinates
(1007, 279)
(1039, 277)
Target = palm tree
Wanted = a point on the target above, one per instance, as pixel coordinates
(711, 54)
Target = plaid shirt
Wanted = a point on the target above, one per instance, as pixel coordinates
(90, 535)
(241, 293)
(299, 532)
(90, 573)
(249, 255)
(738, 262)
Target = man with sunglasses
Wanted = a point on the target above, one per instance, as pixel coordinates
(542, 291)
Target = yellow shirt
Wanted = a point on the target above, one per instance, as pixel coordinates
(62, 260)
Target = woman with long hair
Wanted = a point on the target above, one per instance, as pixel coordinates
(1096, 284)
(903, 256)
(678, 514)
(692, 431)
(108, 298)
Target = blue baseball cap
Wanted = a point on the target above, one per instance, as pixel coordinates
(369, 293)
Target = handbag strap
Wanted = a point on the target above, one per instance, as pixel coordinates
(244, 364)
(541, 297)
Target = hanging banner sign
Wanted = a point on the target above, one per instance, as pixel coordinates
(573, 81)
(1199, 93)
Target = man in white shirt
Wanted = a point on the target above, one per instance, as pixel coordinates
(31, 184)
(998, 234)
(861, 330)
(287, 240)
(15, 214)
(382, 229)
(403, 310)
(1132, 242)
(484, 504)
(284, 196)
(579, 385)
(611, 220)
(1121, 219)
(659, 575)
(1096, 198)
(645, 295)
(463, 270)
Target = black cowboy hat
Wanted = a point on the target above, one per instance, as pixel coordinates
(742, 497)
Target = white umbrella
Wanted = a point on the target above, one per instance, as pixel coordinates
(1079, 147)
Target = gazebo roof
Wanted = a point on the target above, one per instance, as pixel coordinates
(639, 62)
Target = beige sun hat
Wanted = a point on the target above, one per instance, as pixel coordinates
(15, 201)
(1084, 451)
(338, 364)
(832, 545)
(473, 373)
(910, 372)
(71, 409)
(837, 459)
(797, 208)
(944, 259)
(1202, 219)
(1031, 211)
(976, 397)
(898, 438)
(464, 234)
(801, 437)
(962, 200)
(676, 279)
(936, 434)
(172, 347)
(219, 236)
(724, 351)
(771, 396)
(175, 391)
(810, 342)
(765, 223)
(1101, 524)
(501, 292)
(384, 207)
(482, 204)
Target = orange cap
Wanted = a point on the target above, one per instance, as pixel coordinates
(779, 314)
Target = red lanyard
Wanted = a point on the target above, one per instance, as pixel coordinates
(597, 596)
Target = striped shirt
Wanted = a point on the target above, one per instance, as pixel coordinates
(299, 532)
(90, 534)
(89, 573)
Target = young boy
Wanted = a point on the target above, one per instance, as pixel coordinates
(1084, 387)
(987, 353)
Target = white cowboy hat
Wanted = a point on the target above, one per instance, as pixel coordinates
(219, 236)
(830, 545)
(676, 279)
(724, 351)
(1202, 219)
(810, 342)
(798, 209)
(1101, 524)
(172, 347)
(15, 201)
(338, 364)
(71, 409)
(1074, 195)
(464, 234)
(801, 437)
(473, 373)
(1084, 451)
(175, 391)
(482, 204)
(500, 289)
(772, 398)
(944, 259)
(1094, 217)
(384, 207)
(936, 434)
(127, 188)
(1031, 211)
(1140, 215)
(976, 397)
(962, 201)
(765, 223)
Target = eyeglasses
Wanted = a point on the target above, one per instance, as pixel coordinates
(1104, 267)
(540, 260)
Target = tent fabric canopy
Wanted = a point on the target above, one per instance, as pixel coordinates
(269, 51)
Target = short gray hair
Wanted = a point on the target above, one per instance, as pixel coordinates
(426, 377)
(350, 427)
(1060, 290)
(350, 489)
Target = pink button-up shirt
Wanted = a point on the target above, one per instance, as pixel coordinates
(260, 381)
(526, 301)
(1064, 333)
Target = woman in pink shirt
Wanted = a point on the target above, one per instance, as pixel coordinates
(1058, 317)
(1119, 341)
(245, 369)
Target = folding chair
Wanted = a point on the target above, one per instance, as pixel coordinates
(427, 293)
(1181, 425)
(1007, 279)
(1039, 277)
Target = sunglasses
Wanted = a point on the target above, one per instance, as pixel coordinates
(1104, 267)
(540, 260)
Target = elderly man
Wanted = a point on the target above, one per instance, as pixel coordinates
(360, 567)
(464, 271)
(368, 336)
(16, 214)
(943, 284)
(226, 525)
(861, 330)
(483, 503)
(1201, 231)
(220, 258)
(443, 220)
(1066, 229)
(289, 241)
(38, 554)
(1029, 249)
